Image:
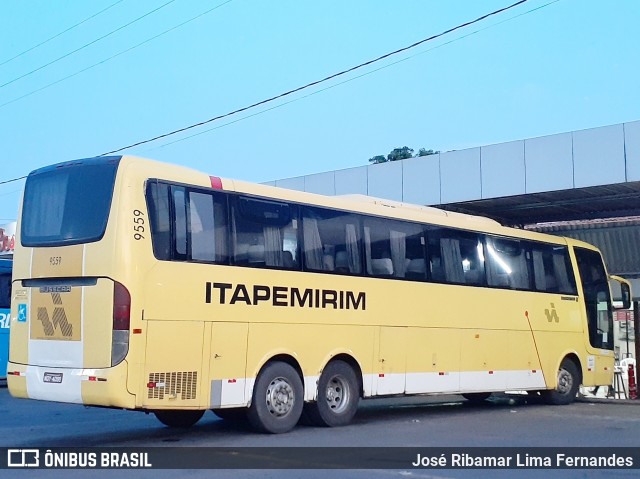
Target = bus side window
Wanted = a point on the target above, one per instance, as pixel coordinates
(187, 225)
(265, 233)
(331, 241)
(434, 256)
(180, 222)
(459, 255)
(507, 264)
(159, 218)
(552, 271)
(208, 226)
(394, 248)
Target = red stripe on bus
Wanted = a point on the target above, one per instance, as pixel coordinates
(216, 183)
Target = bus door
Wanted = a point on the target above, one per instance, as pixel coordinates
(599, 311)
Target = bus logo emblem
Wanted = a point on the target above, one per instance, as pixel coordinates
(55, 289)
(552, 315)
(59, 318)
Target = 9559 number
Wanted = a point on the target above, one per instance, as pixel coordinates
(139, 225)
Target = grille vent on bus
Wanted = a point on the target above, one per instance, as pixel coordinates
(182, 383)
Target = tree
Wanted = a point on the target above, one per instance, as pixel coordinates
(425, 152)
(400, 153)
(377, 159)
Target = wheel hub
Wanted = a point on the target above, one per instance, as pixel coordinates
(565, 381)
(337, 394)
(280, 397)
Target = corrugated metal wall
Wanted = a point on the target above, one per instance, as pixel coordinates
(618, 240)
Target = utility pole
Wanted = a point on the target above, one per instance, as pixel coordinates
(636, 330)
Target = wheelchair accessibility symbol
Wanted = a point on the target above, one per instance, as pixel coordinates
(22, 313)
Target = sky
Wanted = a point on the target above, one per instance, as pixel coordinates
(81, 78)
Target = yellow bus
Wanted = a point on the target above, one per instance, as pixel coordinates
(153, 287)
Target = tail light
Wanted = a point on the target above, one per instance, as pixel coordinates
(121, 308)
(121, 323)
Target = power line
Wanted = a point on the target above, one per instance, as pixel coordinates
(113, 56)
(87, 44)
(11, 192)
(61, 33)
(12, 180)
(327, 78)
(317, 82)
(353, 78)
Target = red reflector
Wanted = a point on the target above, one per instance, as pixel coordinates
(490, 372)
(380, 375)
(216, 183)
(440, 374)
(13, 373)
(95, 378)
(151, 385)
(137, 331)
(232, 381)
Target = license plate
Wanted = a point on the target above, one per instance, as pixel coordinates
(55, 378)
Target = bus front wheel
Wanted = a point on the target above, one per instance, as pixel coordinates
(569, 380)
(178, 418)
(338, 397)
(277, 400)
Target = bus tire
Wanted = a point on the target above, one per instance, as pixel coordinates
(338, 397)
(476, 398)
(277, 400)
(569, 379)
(178, 418)
(231, 414)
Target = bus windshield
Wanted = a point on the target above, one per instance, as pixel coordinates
(68, 203)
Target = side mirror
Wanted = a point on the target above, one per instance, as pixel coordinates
(624, 295)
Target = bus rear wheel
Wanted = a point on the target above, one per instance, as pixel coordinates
(338, 397)
(277, 400)
(569, 380)
(178, 418)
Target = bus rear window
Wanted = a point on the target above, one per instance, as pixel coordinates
(68, 203)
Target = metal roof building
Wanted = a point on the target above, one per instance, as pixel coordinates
(573, 176)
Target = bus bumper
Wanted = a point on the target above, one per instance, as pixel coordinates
(91, 387)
